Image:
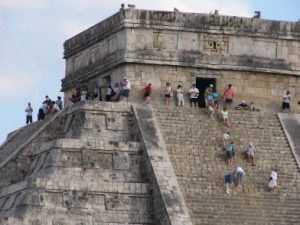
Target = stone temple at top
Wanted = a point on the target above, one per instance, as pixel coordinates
(260, 58)
(129, 163)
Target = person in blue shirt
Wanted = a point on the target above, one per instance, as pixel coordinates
(228, 180)
(229, 153)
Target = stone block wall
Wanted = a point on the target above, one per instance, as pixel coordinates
(95, 170)
(16, 169)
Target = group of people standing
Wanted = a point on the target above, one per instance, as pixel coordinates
(48, 107)
(113, 93)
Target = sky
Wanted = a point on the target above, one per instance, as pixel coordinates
(32, 33)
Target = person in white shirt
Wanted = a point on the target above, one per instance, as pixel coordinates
(194, 93)
(126, 88)
(28, 111)
(180, 98)
(286, 102)
(226, 137)
(273, 180)
(251, 151)
(239, 174)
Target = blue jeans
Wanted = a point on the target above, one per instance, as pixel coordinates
(240, 177)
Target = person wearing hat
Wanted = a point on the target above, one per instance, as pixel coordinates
(251, 151)
(207, 92)
(226, 137)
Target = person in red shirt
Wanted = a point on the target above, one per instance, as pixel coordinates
(148, 90)
(228, 95)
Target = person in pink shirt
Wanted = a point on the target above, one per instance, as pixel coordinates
(228, 95)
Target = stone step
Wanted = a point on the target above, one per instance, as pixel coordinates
(195, 146)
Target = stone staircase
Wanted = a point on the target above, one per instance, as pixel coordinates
(195, 145)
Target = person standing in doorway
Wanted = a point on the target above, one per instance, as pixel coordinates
(207, 92)
(194, 93)
(228, 95)
(28, 111)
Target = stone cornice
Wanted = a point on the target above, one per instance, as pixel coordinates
(84, 75)
(179, 21)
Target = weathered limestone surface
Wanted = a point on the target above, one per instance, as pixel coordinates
(168, 203)
(291, 126)
(195, 146)
(261, 58)
(97, 168)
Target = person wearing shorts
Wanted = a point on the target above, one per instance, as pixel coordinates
(168, 93)
(229, 153)
(126, 88)
(286, 102)
(194, 93)
(228, 180)
(228, 95)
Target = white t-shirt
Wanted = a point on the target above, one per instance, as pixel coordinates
(109, 91)
(179, 92)
(28, 111)
(274, 175)
(286, 98)
(226, 136)
(239, 169)
(194, 92)
(127, 85)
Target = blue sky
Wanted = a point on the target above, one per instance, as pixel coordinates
(32, 33)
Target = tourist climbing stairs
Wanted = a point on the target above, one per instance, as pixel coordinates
(194, 142)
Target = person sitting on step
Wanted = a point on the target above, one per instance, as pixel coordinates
(242, 106)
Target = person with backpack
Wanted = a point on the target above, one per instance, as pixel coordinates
(229, 153)
(228, 180)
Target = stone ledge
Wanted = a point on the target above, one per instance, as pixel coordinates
(159, 163)
(94, 186)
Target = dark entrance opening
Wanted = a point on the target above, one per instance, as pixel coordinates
(202, 84)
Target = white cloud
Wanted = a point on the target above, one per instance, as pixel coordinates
(16, 83)
(69, 28)
(225, 7)
(22, 4)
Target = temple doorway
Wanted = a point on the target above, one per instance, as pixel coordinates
(202, 83)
